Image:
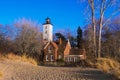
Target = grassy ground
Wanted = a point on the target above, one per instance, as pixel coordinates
(17, 59)
(23, 58)
(109, 66)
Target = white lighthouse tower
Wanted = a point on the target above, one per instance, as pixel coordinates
(47, 31)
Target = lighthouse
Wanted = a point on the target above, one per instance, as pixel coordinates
(47, 30)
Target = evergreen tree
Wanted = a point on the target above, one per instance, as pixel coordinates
(79, 37)
(59, 35)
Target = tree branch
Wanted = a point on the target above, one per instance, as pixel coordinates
(107, 5)
(111, 16)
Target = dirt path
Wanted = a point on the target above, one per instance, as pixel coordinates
(24, 71)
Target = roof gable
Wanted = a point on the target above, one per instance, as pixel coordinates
(51, 43)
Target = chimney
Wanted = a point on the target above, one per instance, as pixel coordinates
(60, 41)
(68, 43)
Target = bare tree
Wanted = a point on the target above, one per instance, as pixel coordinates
(5, 38)
(100, 7)
(28, 38)
(88, 37)
(104, 5)
(92, 7)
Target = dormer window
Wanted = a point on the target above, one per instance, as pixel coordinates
(49, 49)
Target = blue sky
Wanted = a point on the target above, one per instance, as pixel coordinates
(64, 14)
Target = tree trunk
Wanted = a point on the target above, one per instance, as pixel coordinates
(94, 37)
(99, 43)
(100, 36)
(94, 28)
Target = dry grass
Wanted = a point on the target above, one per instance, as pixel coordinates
(1, 74)
(23, 58)
(109, 66)
(106, 64)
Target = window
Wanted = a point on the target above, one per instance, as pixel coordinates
(75, 59)
(46, 57)
(60, 57)
(45, 39)
(45, 27)
(52, 58)
(68, 59)
(49, 49)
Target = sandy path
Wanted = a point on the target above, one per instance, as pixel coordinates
(23, 71)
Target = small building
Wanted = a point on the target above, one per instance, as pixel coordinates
(75, 55)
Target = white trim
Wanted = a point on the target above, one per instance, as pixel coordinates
(81, 55)
(46, 45)
(76, 55)
(74, 59)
